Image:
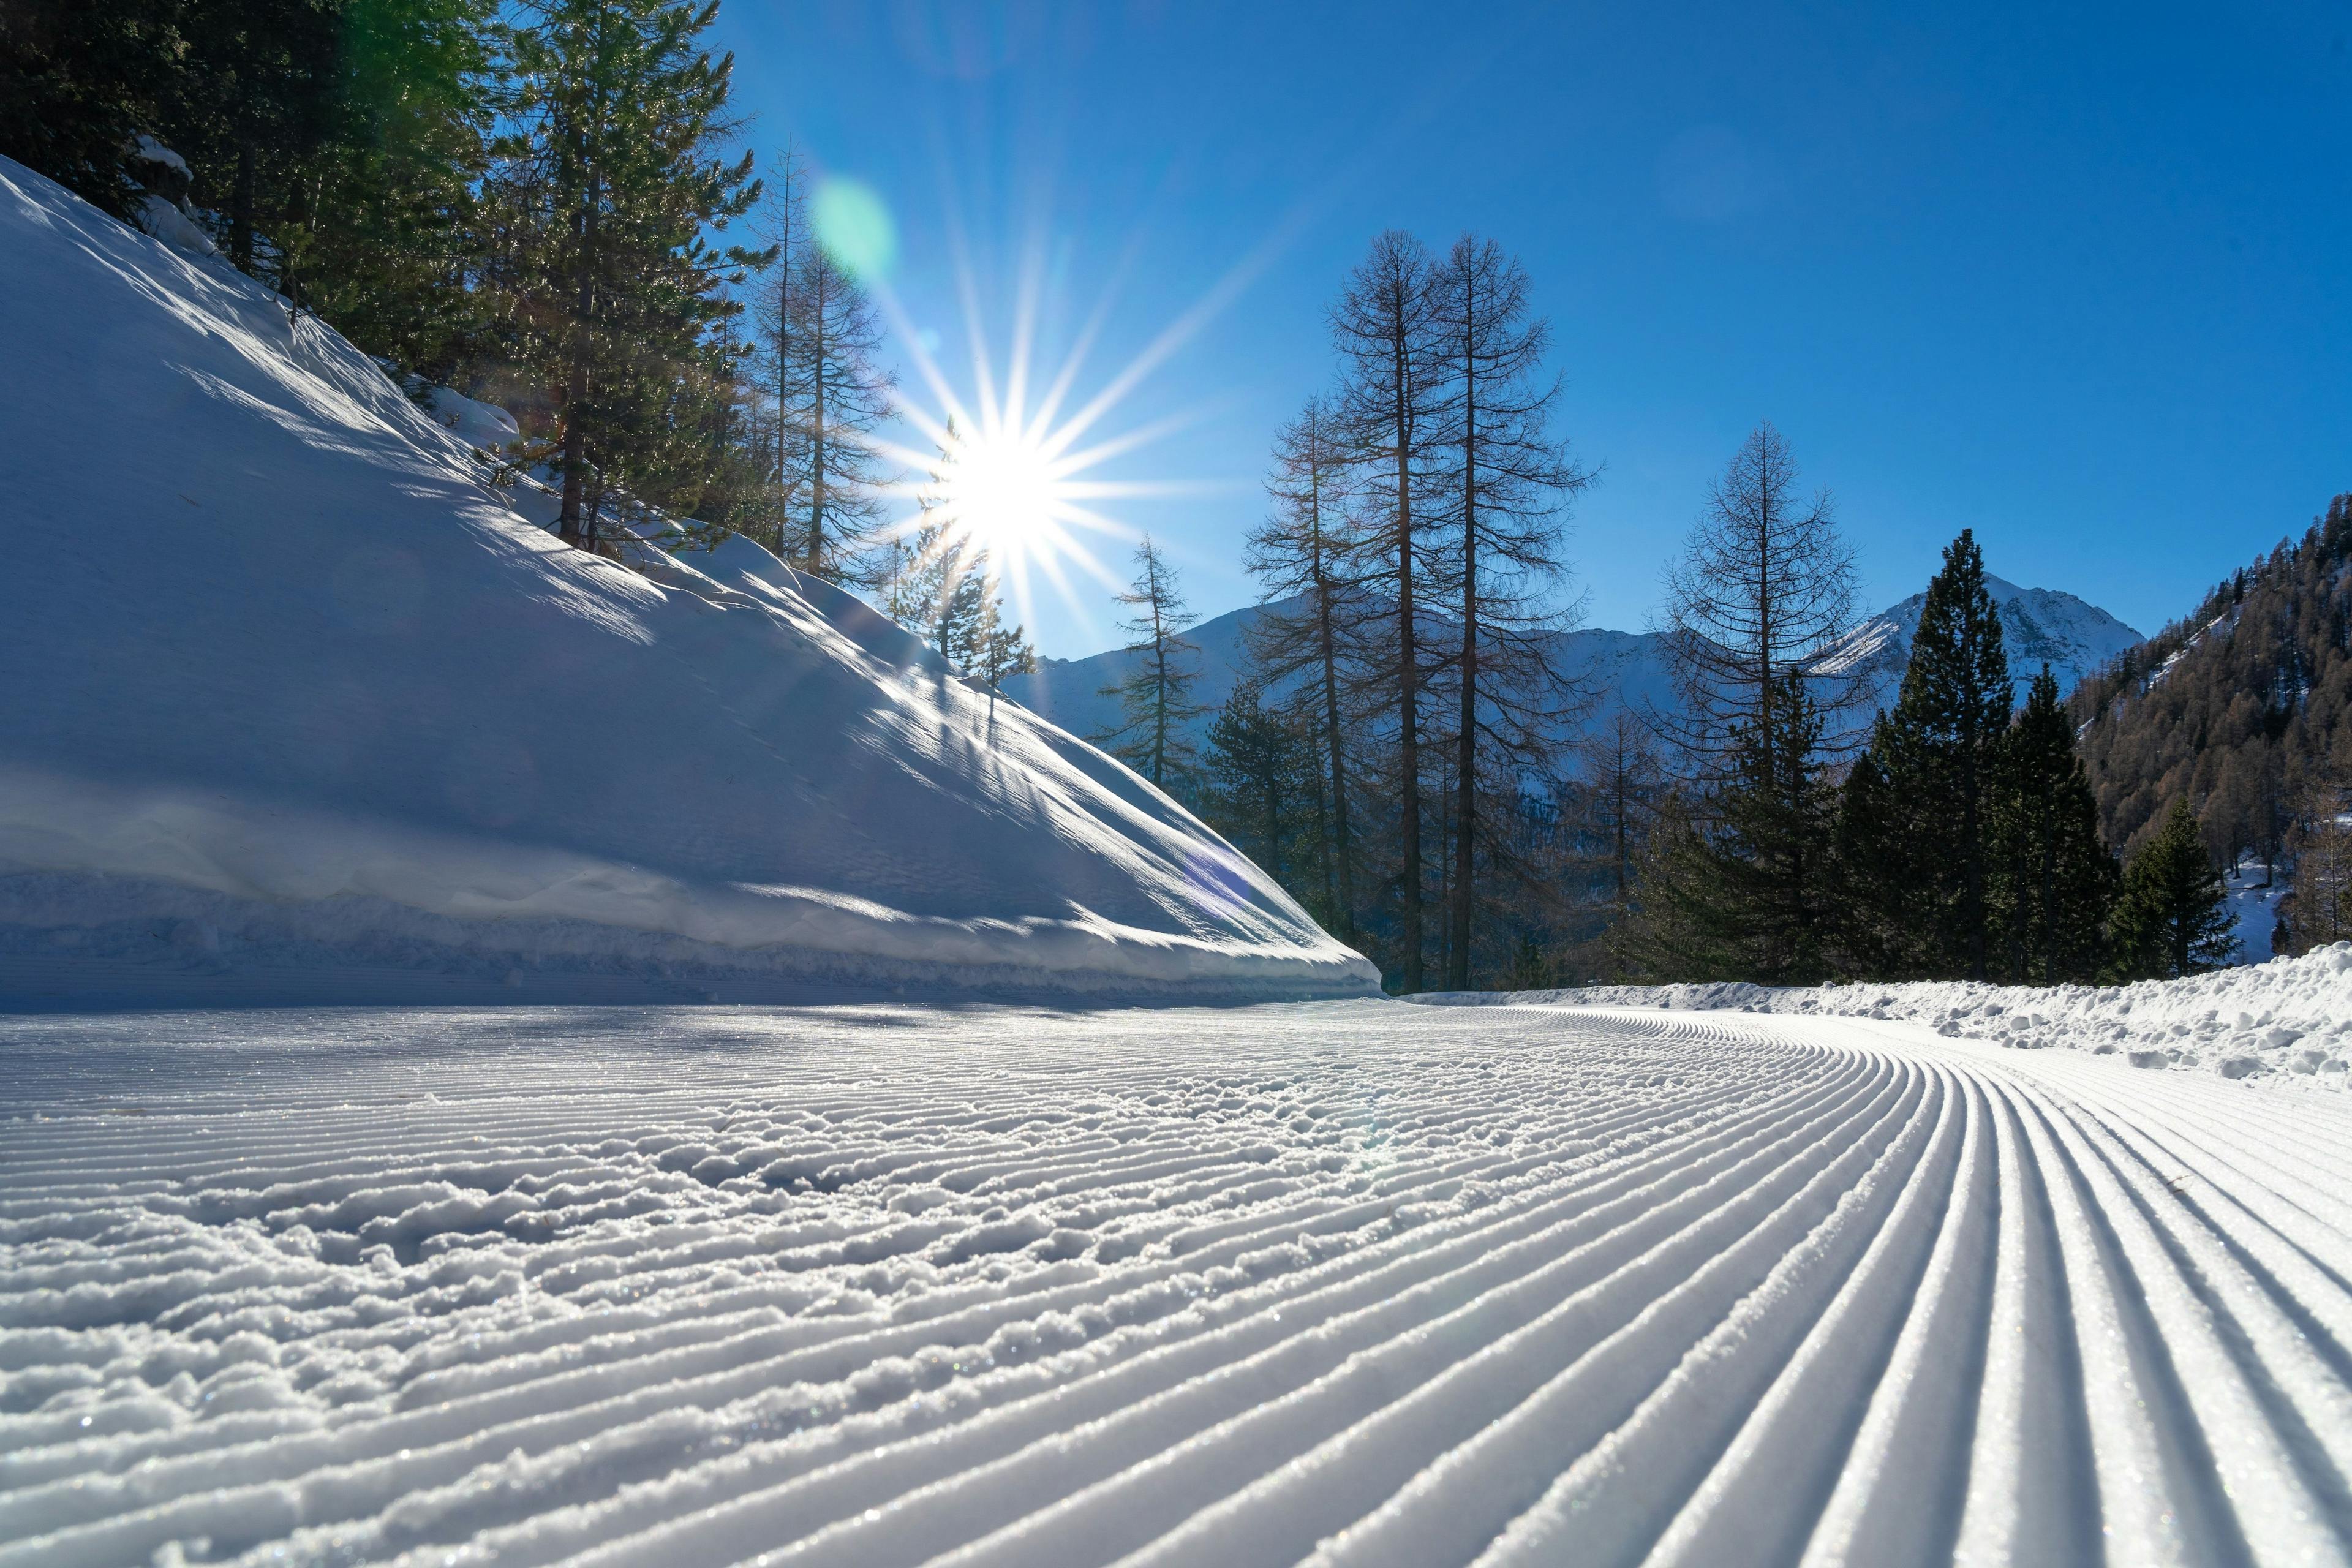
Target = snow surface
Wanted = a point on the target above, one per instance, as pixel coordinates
(290, 687)
(2253, 912)
(1347, 1283)
(2290, 1018)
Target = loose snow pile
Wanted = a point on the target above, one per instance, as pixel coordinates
(1341, 1283)
(288, 687)
(2291, 1016)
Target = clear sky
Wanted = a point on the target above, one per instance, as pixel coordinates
(2079, 277)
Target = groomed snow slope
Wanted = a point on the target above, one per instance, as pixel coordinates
(2291, 1017)
(286, 689)
(1349, 1283)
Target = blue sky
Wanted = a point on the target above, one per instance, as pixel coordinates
(2077, 277)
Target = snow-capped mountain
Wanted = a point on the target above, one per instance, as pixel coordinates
(289, 685)
(2039, 627)
(1621, 671)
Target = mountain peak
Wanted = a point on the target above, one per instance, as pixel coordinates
(2039, 625)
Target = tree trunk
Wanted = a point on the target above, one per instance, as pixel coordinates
(1345, 907)
(818, 457)
(1408, 671)
(1465, 760)
(575, 384)
(240, 210)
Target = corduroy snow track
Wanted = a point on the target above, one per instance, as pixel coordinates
(1348, 1283)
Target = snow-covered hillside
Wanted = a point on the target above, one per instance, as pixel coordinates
(287, 687)
(1353, 1284)
(2039, 625)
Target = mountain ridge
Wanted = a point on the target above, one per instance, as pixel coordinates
(1622, 669)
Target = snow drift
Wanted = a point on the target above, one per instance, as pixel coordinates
(2291, 1017)
(288, 684)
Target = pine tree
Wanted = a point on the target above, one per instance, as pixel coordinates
(1877, 895)
(917, 568)
(1004, 650)
(1309, 638)
(253, 108)
(1939, 751)
(2051, 882)
(1623, 780)
(1742, 888)
(79, 82)
(1259, 770)
(382, 236)
(1384, 327)
(621, 115)
(1500, 484)
(1155, 702)
(2173, 916)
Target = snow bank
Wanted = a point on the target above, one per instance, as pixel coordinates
(285, 675)
(2291, 1016)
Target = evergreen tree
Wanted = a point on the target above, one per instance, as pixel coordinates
(1875, 895)
(1623, 781)
(79, 82)
(383, 234)
(1155, 702)
(253, 109)
(1260, 771)
(621, 115)
(917, 568)
(1922, 866)
(2050, 880)
(2173, 916)
(1004, 650)
(1742, 888)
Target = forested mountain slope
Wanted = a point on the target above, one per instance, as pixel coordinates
(2245, 706)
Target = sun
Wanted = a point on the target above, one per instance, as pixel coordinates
(1015, 481)
(1003, 490)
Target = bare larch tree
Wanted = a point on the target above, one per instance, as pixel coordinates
(839, 392)
(1382, 326)
(1307, 639)
(1763, 587)
(1501, 484)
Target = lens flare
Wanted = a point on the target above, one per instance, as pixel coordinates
(853, 224)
